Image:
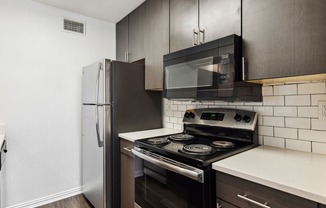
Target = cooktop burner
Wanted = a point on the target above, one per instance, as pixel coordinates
(181, 137)
(198, 149)
(159, 140)
(223, 144)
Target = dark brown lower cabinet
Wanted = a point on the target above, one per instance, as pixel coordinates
(322, 206)
(127, 168)
(238, 192)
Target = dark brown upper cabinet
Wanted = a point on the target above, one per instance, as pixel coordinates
(130, 36)
(283, 38)
(122, 39)
(193, 22)
(156, 42)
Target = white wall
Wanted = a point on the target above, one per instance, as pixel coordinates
(40, 95)
(288, 115)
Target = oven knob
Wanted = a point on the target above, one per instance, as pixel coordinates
(246, 119)
(237, 117)
(191, 115)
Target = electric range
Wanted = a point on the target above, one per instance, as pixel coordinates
(173, 162)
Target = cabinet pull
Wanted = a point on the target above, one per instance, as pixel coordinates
(244, 197)
(195, 37)
(244, 62)
(128, 149)
(202, 40)
(126, 56)
(218, 205)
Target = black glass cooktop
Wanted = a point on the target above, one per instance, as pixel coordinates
(174, 149)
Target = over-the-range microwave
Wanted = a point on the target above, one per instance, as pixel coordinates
(210, 71)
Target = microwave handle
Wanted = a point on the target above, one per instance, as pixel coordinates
(244, 75)
(196, 37)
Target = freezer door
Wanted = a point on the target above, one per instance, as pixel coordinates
(93, 84)
(93, 154)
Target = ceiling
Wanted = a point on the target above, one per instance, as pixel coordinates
(107, 10)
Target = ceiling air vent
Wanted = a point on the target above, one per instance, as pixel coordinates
(73, 26)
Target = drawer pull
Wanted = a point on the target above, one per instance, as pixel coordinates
(244, 197)
(128, 149)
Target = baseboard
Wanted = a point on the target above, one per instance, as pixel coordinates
(49, 199)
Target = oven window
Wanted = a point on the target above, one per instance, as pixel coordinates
(192, 74)
(160, 188)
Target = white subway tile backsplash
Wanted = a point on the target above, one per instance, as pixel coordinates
(286, 111)
(178, 127)
(248, 108)
(318, 124)
(287, 117)
(267, 90)
(264, 111)
(301, 123)
(285, 89)
(182, 107)
(308, 112)
(287, 133)
(174, 107)
(273, 100)
(316, 98)
(173, 120)
(273, 121)
(298, 145)
(274, 142)
(312, 135)
(319, 148)
(266, 130)
(297, 100)
(312, 88)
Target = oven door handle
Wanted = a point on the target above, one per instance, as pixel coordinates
(177, 167)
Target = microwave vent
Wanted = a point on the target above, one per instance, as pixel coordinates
(73, 26)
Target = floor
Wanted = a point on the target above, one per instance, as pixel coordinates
(78, 201)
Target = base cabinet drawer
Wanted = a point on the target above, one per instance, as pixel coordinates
(222, 204)
(246, 194)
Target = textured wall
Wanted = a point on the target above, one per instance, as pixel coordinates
(288, 115)
(40, 95)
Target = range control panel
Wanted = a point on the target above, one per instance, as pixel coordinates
(222, 117)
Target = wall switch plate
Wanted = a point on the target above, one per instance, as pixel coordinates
(322, 109)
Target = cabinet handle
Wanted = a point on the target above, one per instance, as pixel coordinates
(125, 56)
(128, 149)
(203, 36)
(244, 197)
(218, 205)
(195, 37)
(244, 62)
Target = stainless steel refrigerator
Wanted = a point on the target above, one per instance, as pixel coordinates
(114, 101)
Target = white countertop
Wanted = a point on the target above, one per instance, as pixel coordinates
(299, 173)
(132, 136)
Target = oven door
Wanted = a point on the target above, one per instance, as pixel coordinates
(168, 183)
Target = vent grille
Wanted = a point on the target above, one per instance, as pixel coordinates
(73, 26)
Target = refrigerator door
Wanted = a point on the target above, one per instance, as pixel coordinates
(93, 84)
(93, 155)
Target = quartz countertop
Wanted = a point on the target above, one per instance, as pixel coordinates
(132, 136)
(299, 173)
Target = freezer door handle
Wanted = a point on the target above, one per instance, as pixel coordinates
(99, 141)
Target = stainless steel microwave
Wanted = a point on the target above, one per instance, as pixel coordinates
(210, 71)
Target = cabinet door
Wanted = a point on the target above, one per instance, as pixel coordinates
(310, 37)
(267, 34)
(136, 33)
(157, 42)
(183, 20)
(122, 39)
(284, 38)
(127, 168)
(219, 18)
(322, 206)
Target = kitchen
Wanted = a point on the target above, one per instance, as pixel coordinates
(40, 100)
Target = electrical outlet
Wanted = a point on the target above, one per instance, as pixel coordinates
(322, 109)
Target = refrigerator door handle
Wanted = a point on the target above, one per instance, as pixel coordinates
(100, 143)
